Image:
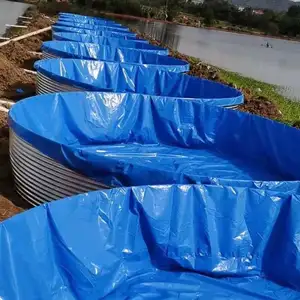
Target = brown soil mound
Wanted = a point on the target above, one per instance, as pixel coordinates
(8, 209)
(18, 55)
(15, 53)
(11, 76)
(34, 43)
(260, 106)
(197, 69)
(4, 132)
(39, 22)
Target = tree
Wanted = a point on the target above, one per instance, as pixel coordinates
(289, 26)
(294, 11)
(272, 28)
(209, 17)
(173, 7)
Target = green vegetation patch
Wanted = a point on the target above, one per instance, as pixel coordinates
(289, 109)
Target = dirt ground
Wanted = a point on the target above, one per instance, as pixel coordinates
(14, 52)
(10, 202)
(13, 78)
(15, 84)
(34, 43)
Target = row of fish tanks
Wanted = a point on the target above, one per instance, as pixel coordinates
(165, 190)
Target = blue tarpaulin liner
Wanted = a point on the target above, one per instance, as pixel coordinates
(106, 53)
(89, 26)
(90, 21)
(98, 33)
(143, 79)
(61, 14)
(93, 22)
(113, 42)
(155, 242)
(83, 18)
(131, 139)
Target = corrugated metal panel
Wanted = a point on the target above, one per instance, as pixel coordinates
(47, 55)
(45, 85)
(40, 179)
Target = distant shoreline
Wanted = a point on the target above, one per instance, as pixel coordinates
(254, 33)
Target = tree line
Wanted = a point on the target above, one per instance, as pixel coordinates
(211, 12)
(269, 22)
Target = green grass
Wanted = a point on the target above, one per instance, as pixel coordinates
(290, 109)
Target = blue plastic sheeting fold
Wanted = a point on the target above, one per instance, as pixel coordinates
(90, 21)
(78, 16)
(143, 79)
(91, 27)
(131, 139)
(84, 18)
(97, 22)
(106, 53)
(113, 42)
(155, 242)
(98, 33)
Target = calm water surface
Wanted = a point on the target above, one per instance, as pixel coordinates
(240, 53)
(9, 13)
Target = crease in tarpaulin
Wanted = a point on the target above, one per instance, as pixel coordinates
(137, 79)
(141, 139)
(155, 241)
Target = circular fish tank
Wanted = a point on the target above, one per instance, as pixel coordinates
(138, 44)
(61, 49)
(57, 75)
(69, 143)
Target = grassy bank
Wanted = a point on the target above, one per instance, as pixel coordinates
(289, 110)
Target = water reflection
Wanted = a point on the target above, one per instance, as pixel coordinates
(159, 31)
(240, 53)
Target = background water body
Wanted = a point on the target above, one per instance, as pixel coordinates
(9, 13)
(240, 53)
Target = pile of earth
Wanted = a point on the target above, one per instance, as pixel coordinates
(38, 22)
(34, 43)
(259, 105)
(13, 78)
(14, 52)
(197, 68)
